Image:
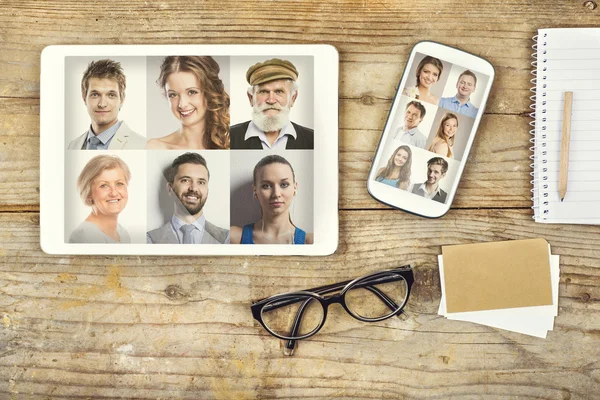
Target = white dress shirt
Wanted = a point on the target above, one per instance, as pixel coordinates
(279, 143)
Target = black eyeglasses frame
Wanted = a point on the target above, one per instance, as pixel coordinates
(367, 281)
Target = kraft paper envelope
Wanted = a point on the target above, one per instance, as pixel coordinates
(491, 276)
(535, 321)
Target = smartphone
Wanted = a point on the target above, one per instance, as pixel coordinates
(430, 129)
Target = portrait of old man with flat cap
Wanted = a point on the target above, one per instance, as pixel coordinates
(272, 93)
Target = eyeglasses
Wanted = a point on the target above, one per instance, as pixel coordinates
(298, 315)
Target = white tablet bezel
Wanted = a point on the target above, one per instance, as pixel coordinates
(403, 199)
(52, 149)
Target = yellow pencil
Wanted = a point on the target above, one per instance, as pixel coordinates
(563, 176)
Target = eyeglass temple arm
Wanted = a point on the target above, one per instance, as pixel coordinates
(291, 344)
(384, 297)
(333, 288)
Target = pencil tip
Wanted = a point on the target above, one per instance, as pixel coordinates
(562, 198)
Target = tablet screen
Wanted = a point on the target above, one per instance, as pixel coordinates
(213, 147)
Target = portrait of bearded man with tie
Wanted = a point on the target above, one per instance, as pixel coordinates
(187, 184)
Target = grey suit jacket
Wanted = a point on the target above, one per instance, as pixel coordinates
(165, 235)
(124, 139)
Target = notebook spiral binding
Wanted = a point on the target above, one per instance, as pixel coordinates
(538, 143)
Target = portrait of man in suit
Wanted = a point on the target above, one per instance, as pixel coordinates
(187, 184)
(272, 93)
(103, 92)
(430, 189)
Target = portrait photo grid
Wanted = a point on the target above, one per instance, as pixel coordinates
(428, 136)
(146, 114)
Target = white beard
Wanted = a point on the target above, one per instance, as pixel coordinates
(270, 123)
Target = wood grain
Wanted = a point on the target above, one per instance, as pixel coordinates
(175, 328)
(497, 173)
(181, 328)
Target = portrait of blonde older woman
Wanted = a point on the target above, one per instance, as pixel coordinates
(103, 187)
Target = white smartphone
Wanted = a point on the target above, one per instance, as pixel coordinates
(430, 129)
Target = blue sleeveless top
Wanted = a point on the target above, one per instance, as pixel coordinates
(391, 182)
(299, 235)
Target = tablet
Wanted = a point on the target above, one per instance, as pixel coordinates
(189, 150)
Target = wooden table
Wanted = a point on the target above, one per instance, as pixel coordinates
(180, 327)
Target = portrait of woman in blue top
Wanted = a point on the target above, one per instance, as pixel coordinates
(274, 186)
(397, 171)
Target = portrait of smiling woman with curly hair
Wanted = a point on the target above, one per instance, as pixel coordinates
(197, 98)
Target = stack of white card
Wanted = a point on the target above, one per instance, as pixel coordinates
(508, 285)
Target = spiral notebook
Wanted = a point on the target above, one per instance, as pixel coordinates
(566, 60)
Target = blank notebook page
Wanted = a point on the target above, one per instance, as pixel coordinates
(567, 60)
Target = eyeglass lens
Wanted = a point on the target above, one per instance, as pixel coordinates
(366, 299)
(280, 319)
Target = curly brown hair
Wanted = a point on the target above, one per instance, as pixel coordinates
(206, 70)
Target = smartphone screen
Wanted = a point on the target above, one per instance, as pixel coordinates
(430, 129)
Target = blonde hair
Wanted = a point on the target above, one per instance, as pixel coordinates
(441, 137)
(93, 169)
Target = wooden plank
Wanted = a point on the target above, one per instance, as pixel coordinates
(369, 82)
(375, 83)
(152, 327)
(19, 154)
(497, 174)
(502, 33)
(180, 327)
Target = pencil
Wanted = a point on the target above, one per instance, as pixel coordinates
(563, 175)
